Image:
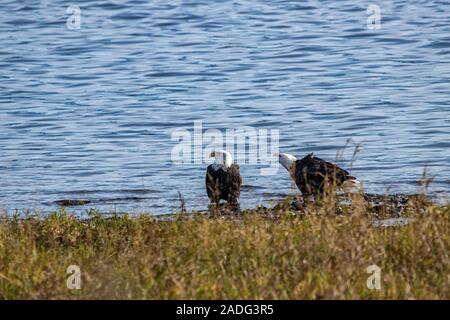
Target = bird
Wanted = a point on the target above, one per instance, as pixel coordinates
(314, 176)
(223, 178)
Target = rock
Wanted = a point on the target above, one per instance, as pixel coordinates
(72, 202)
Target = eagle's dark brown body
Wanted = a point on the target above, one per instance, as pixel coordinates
(313, 175)
(223, 183)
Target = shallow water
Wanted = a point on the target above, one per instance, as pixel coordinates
(89, 113)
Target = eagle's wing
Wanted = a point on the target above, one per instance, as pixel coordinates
(331, 170)
(212, 182)
(312, 173)
(235, 182)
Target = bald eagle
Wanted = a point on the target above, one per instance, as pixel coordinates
(223, 179)
(313, 175)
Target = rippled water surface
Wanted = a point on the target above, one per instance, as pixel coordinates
(89, 113)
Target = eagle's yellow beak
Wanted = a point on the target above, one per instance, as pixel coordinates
(212, 154)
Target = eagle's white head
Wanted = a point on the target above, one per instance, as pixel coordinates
(287, 160)
(222, 157)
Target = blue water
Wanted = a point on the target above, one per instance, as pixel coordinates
(89, 113)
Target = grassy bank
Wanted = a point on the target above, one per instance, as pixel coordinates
(309, 253)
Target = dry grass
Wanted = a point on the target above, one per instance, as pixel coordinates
(308, 254)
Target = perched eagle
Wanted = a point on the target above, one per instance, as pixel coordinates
(313, 175)
(223, 179)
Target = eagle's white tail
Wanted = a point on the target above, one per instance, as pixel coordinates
(351, 186)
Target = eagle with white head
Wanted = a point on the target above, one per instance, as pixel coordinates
(313, 175)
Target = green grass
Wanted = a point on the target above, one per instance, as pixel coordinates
(307, 254)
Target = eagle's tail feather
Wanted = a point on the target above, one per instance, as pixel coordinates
(352, 185)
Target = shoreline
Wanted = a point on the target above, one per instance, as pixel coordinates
(395, 204)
